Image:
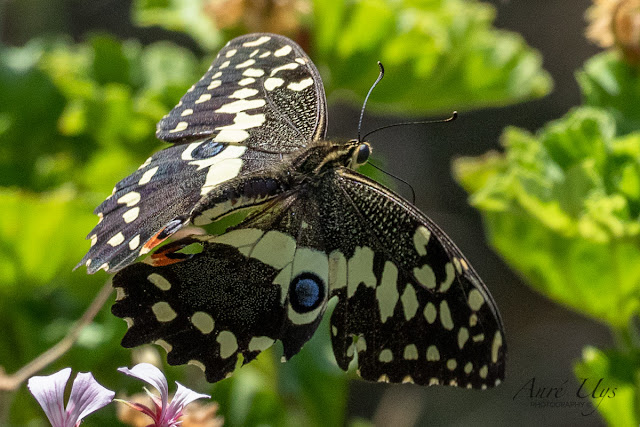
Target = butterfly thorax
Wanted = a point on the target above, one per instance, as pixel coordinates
(323, 156)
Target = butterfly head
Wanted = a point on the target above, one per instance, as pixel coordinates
(359, 153)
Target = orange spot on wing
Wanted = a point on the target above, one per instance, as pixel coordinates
(153, 242)
(159, 259)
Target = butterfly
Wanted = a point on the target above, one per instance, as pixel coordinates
(250, 134)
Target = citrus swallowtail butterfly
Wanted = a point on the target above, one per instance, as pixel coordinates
(251, 133)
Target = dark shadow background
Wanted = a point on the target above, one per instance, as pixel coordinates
(543, 338)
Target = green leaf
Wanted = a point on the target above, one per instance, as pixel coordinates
(29, 225)
(187, 16)
(438, 55)
(616, 397)
(562, 208)
(609, 82)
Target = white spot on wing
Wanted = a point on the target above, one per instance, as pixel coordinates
(246, 81)
(228, 344)
(425, 276)
(179, 127)
(203, 98)
(163, 312)
(131, 215)
(475, 299)
(421, 239)
(387, 293)
(116, 240)
(253, 72)
(495, 346)
(243, 121)
(146, 163)
(134, 243)
(360, 270)
(273, 82)
(257, 42)
(260, 343)
(203, 322)
(385, 356)
(337, 270)
(224, 166)
(146, 177)
(410, 302)
(289, 66)
(232, 136)
(246, 63)
(302, 84)
(130, 199)
(445, 315)
(430, 312)
(433, 355)
(214, 84)
(241, 105)
(411, 352)
(275, 249)
(285, 50)
(187, 112)
(159, 281)
(230, 53)
(463, 336)
(243, 93)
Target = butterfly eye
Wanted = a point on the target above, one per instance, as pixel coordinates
(364, 151)
(306, 292)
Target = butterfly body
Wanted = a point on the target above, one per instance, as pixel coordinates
(250, 134)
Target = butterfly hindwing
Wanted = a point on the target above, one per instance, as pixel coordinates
(261, 91)
(261, 98)
(246, 289)
(417, 312)
(409, 304)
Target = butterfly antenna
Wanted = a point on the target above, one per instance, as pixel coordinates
(454, 116)
(413, 193)
(380, 76)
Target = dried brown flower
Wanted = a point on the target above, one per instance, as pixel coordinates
(616, 23)
(275, 16)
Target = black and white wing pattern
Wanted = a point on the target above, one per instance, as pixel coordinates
(409, 304)
(261, 98)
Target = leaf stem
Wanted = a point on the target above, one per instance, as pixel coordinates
(13, 381)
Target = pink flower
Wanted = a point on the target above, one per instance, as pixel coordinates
(164, 414)
(87, 396)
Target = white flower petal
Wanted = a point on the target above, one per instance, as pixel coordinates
(183, 397)
(87, 396)
(49, 392)
(151, 375)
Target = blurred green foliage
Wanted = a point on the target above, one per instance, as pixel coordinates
(77, 117)
(563, 207)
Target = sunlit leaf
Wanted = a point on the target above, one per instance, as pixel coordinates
(610, 380)
(439, 55)
(562, 208)
(609, 82)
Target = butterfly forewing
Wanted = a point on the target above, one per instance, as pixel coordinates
(261, 98)
(261, 91)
